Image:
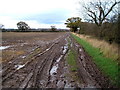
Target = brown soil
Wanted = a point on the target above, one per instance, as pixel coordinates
(44, 65)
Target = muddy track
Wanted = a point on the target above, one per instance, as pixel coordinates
(90, 75)
(29, 74)
(10, 66)
(48, 68)
(33, 53)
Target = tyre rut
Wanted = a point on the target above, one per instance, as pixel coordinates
(31, 72)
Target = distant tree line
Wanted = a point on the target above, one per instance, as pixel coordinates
(24, 27)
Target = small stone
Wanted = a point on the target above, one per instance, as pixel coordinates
(62, 76)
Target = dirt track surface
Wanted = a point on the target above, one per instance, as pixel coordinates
(45, 67)
(90, 75)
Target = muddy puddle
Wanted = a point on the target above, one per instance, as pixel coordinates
(54, 69)
(4, 47)
(19, 66)
(23, 57)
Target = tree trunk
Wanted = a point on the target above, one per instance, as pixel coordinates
(100, 32)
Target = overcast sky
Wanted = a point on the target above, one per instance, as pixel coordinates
(37, 13)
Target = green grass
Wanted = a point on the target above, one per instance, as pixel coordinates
(108, 66)
(71, 59)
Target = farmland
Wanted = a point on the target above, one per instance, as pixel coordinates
(23, 43)
(48, 60)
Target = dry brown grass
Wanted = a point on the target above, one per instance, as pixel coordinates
(9, 54)
(108, 50)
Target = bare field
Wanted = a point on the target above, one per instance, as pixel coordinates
(11, 38)
(22, 43)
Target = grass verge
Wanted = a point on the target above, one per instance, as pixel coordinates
(107, 65)
(71, 59)
(108, 50)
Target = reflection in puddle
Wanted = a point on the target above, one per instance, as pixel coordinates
(23, 57)
(65, 49)
(19, 66)
(4, 47)
(54, 70)
(80, 50)
(58, 60)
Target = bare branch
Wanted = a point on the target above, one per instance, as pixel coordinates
(99, 10)
(109, 10)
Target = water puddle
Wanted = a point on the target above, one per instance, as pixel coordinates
(82, 57)
(55, 67)
(53, 71)
(65, 49)
(9, 62)
(4, 47)
(58, 60)
(23, 57)
(47, 49)
(42, 82)
(19, 66)
(80, 50)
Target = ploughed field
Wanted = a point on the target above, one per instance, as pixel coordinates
(38, 60)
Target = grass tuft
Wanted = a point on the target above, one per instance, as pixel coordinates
(9, 54)
(71, 59)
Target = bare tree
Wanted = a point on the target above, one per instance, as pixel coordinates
(99, 10)
(53, 28)
(1, 26)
